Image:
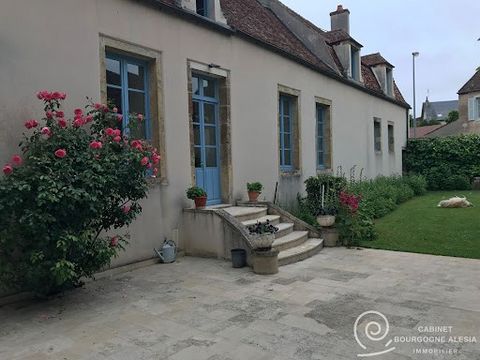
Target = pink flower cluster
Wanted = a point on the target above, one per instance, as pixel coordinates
(30, 124)
(15, 161)
(49, 96)
(350, 201)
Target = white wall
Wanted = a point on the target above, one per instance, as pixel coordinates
(54, 44)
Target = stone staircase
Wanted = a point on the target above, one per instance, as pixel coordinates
(292, 245)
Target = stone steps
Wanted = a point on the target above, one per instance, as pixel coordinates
(301, 252)
(291, 240)
(292, 245)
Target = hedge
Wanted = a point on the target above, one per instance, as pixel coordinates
(448, 163)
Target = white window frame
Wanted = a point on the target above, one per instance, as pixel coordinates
(474, 108)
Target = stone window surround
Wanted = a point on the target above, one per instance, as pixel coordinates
(223, 76)
(297, 160)
(327, 104)
(154, 62)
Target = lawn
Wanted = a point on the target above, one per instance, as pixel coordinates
(419, 226)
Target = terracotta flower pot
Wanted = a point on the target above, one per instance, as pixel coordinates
(326, 220)
(253, 196)
(200, 202)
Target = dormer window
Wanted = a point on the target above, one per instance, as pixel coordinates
(202, 7)
(355, 63)
(389, 80)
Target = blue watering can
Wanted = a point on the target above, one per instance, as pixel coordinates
(168, 252)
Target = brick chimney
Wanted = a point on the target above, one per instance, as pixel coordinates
(340, 19)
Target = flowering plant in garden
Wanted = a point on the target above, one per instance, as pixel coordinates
(350, 202)
(73, 181)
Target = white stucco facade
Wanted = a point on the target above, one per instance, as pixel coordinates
(54, 44)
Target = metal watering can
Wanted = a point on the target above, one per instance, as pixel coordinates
(168, 252)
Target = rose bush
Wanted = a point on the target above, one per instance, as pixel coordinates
(75, 180)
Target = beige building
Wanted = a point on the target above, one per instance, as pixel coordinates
(468, 108)
(232, 90)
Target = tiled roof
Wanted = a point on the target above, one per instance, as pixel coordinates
(423, 131)
(337, 36)
(438, 110)
(375, 59)
(269, 22)
(472, 85)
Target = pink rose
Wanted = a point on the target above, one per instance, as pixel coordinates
(109, 132)
(126, 209)
(61, 153)
(46, 131)
(89, 118)
(96, 145)
(62, 123)
(155, 172)
(59, 114)
(78, 122)
(140, 117)
(49, 114)
(114, 241)
(117, 132)
(97, 106)
(144, 161)
(119, 117)
(117, 139)
(17, 160)
(7, 169)
(78, 112)
(136, 144)
(31, 124)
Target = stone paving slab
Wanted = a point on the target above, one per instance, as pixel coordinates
(203, 309)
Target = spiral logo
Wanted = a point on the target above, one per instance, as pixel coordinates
(375, 330)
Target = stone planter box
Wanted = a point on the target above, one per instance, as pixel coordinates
(265, 262)
(326, 220)
(330, 237)
(263, 241)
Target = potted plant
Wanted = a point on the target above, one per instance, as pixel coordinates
(198, 195)
(265, 258)
(326, 216)
(263, 235)
(254, 190)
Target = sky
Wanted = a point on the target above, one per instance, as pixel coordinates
(444, 32)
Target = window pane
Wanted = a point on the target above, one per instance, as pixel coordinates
(196, 115)
(208, 88)
(211, 154)
(201, 7)
(320, 144)
(195, 88)
(136, 76)
(288, 158)
(209, 113)
(210, 136)
(196, 134)
(136, 102)
(286, 107)
(198, 157)
(113, 72)
(321, 158)
(286, 124)
(115, 97)
(286, 141)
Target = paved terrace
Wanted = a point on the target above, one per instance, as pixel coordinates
(203, 309)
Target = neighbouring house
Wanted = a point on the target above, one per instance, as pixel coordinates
(437, 110)
(231, 91)
(468, 109)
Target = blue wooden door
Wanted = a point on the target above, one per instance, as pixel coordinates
(206, 137)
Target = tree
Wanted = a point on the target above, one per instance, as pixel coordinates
(452, 116)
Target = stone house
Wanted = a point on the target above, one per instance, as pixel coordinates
(232, 91)
(468, 109)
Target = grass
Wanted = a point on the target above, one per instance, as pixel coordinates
(419, 226)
